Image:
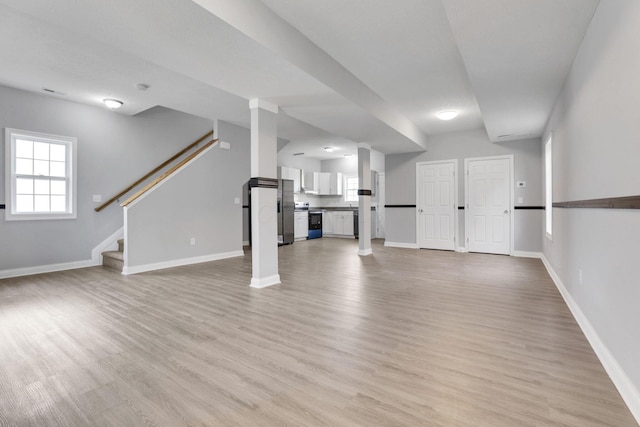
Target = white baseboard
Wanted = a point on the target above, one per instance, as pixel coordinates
(96, 259)
(629, 392)
(180, 262)
(524, 254)
(50, 268)
(462, 249)
(265, 281)
(401, 245)
(108, 244)
(365, 252)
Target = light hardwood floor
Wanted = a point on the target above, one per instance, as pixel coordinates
(402, 337)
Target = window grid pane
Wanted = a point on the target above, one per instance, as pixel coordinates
(40, 176)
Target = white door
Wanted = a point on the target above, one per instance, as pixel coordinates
(488, 210)
(380, 208)
(436, 204)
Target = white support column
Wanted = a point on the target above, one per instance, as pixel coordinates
(364, 196)
(264, 184)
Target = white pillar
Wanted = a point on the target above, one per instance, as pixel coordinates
(264, 184)
(364, 196)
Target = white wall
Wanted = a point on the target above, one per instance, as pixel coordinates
(401, 184)
(113, 151)
(596, 153)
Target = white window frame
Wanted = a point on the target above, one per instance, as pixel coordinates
(548, 178)
(11, 135)
(349, 194)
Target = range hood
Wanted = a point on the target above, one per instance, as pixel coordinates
(308, 182)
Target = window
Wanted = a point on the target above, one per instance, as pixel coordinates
(548, 179)
(40, 172)
(351, 189)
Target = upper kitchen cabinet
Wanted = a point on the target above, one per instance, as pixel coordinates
(293, 174)
(323, 183)
(329, 183)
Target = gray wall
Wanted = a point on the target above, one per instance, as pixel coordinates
(596, 154)
(197, 202)
(240, 139)
(401, 183)
(113, 150)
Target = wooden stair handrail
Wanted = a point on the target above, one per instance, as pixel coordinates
(168, 161)
(168, 173)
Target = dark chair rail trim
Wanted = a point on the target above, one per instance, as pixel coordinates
(399, 206)
(362, 192)
(630, 202)
(260, 182)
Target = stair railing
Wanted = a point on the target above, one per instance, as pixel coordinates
(155, 170)
(167, 174)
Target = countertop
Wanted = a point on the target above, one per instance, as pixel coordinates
(338, 208)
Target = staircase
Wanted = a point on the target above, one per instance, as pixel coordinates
(114, 259)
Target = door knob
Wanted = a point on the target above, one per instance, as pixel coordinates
(506, 211)
(420, 211)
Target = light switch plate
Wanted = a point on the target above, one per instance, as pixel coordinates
(97, 198)
(236, 200)
(225, 145)
(520, 200)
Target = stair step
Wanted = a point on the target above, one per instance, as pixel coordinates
(113, 259)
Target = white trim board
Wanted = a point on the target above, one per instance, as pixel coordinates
(524, 254)
(110, 243)
(96, 259)
(401, 245)
(180, 262)
(49, 268)
(629, 392)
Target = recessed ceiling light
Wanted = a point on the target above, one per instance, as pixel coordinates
(447, 115)
(142, 86)
(112, 103)
(329, 149)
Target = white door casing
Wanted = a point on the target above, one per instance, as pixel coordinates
(380, 233)
(436, 204)
(489, 204)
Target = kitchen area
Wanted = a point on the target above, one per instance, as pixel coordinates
(318, 198)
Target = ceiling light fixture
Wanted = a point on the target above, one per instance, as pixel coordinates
(348, 155)
(447, 115)
(329, 149)
(112, 103)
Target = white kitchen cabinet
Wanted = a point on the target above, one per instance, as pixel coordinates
(329, 183)
(292, 174)
(339, 223)
(300, 225)
(327, 222)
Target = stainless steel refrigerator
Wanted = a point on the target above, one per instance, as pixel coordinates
(286, 207)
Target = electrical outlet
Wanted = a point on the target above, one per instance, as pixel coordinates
(580, 276)
(193, 241)
(97, 198)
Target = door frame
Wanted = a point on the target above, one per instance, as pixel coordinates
(509, 157)
(455, 198)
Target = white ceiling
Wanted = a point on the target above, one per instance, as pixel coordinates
(342, 72)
